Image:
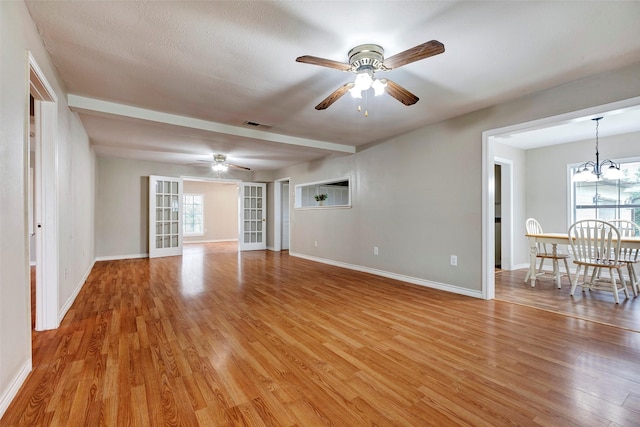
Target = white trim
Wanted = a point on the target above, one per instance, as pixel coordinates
(277, 213)
(519, 266)
(277, 216)
(91, 104)
(204, 179)
(117, 257)
(14, 386)
(67, 305)
(488, 275)
(401, 277)
(46, 188)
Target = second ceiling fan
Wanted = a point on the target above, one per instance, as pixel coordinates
(365, 60)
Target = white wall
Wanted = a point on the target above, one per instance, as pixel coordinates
(220, 210)
(75, 178)
(122, 202)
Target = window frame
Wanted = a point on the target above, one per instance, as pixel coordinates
(184, 216)
(303, 198)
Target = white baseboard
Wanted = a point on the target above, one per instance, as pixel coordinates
(401, 277)
(518, 267)
(14, 386)
(67, 305)
(117, 257)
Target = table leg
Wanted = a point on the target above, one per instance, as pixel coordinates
(533, 251)
(556, 269)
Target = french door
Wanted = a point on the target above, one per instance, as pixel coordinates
(253, 210)
(165, 216)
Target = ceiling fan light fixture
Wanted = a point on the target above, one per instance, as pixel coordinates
(219, 167)
(378, 87)
(355, 93)
(363, 81)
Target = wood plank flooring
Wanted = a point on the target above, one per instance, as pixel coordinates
(217, 338)
(596, 306)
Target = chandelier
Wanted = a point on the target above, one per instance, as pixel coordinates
(594, 171)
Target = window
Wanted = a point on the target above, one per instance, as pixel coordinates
(193, 214)
(334, 193)
(609, 199)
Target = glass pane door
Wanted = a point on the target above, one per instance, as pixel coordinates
(165, 216)
(253, 221)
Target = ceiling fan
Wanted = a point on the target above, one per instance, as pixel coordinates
(219, 163)
(365, 60)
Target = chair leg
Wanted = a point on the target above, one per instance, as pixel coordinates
(633, 278)
(566, 266)
(615, 286)
(575, 280)
(624, 284)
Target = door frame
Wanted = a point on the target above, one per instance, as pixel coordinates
(506, 189)
(46, 194)
(277, 213)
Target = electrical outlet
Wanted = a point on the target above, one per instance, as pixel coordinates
(375, 250)
(454, 259)
(315, 243)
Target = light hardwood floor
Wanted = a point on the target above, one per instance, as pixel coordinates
(596, 306)
(217, 338)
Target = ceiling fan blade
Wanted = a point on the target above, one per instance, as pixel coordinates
(314, 60)
(334, 96)
(400, 93)
(238, 167)
(422, 51)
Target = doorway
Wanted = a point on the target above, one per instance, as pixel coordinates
(213, 216)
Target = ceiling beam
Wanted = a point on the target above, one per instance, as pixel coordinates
(97, 105)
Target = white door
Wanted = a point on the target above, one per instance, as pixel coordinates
(253, 211)
(165, 216)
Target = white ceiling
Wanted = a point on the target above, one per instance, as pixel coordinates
(175, 81)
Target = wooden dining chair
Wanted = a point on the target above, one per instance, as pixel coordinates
(628, 255)
(596, 243)
(544, 253)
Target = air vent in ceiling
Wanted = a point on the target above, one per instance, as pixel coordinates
(256, 125)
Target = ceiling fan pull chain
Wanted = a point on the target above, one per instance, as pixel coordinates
(366, 104)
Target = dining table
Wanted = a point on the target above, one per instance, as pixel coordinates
(555, 239)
